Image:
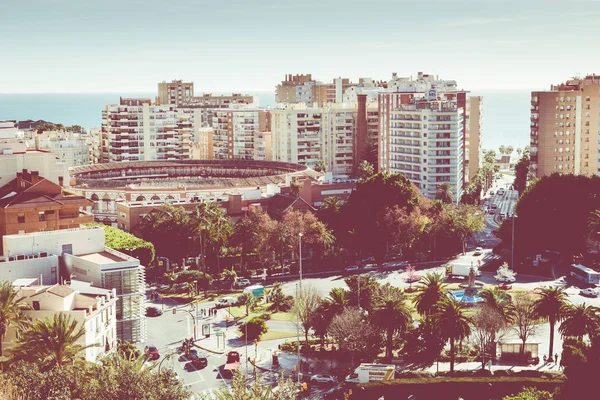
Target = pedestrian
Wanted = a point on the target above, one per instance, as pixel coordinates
(556, 358)
(545, 359)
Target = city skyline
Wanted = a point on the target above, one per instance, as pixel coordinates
(71, 47)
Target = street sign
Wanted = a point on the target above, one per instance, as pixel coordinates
(206, 330)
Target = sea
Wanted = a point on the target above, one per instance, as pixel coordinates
(506, 113)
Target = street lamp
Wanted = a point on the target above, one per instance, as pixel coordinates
(298, 332)
(514, 216)
(300, 256)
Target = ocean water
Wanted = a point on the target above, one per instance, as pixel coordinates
(506, 114)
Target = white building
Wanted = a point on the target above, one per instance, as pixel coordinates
(70, 148)
(15, 157)
(305, 135)
(8, 130)
(136, 130)
(424, 140)
(93, 308)
(234, 131)
(85, 257)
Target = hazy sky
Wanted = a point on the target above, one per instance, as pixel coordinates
(248, 45)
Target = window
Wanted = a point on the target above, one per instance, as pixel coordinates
(41, 216)
(36, 305)
(21, 218)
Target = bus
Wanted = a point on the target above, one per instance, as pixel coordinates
(585, 274)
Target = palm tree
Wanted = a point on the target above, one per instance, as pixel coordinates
(443, 192)
(452, 323)
(10, 309)
(509, 149)
(247, 299)
(390, 313)
(500, 301)
(502, 149)
(296, 187)
(337, 301)
(430, 291)
(51, 342)
(551, 305)
(580, 320)
(594, 222)
(320, 166)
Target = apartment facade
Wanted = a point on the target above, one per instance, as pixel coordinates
(136, 130)
(305, 135)
(94, 311)
(565, 128)
(16, 157)
(175, 92)
(234, 131)
(288, 90)
(70, 148)
(81, 254)
(423, 139)
(473, 136)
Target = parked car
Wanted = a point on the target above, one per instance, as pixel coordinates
(153, 312)
(506, 279)
(478, 251)
(243, 282)
(225, 302)
(200, 362)
(589, 292)
(323, 378)
(370, 266)
(352, 268)
(151, 352)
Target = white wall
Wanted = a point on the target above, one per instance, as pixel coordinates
(46, 163)
(83, 240)
(32, 269)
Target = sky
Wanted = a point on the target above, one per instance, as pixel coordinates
(73, 46)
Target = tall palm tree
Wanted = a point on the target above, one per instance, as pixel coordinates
(320, 166)
(580, 320)
(51, 342)
(551, 306)
(430, 291)
(390, 313)
(10, 309)
(452, 323)
(444, 193)
(594, 222)
(500, 301)
(337, 300)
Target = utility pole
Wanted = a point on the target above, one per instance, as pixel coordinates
(298, 332)
(300, 256)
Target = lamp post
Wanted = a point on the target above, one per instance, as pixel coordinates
(514, 216)
(194, 320)
(298, 333)
(300, 257)
(246, 335)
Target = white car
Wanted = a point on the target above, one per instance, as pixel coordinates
(371, 266)
(323, 378)
(352, 268)
(589, 292)
(226, 302)
(506, 279)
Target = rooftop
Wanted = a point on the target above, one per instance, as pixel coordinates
(102, 257)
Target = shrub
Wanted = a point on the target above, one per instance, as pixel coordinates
(255, 328)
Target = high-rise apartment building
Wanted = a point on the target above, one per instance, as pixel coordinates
(70, 148)
(474, 125)
(137, 130)
(234, 131)
(422, 137)
(175, 92)
(289, 90)
(565, 128)
(305, 135)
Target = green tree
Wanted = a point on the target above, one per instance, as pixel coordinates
(444, 193)
(521, 173)
(296, 187)
(240, 390)
(390, 313)
(509, 149)
(10, 309)
(128, 350)
(354, 336)
(306, 304)
(213, 228)
(365, 170)
(320, 166)
(453, 323)
(466, 220)
(51, 342)
(524, 318)
(594, 222)
(248, 300)
(128, 243)
(255, 327)
(431, 290)
(551, 306)
(361, 291)
(530, 393)
(499, 301)
(502, 149)
(487, 323)
(280, 302)
(580, 320)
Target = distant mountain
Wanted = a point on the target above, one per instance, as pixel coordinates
(29, 124)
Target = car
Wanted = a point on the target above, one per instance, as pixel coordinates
(352, 268)
(225, 302)
(589, 292)
(200, 362)
(152, 352)
(506, 279)
(243, 282)
(481, 242)
(323, 378)
(371, 266)
(153, 312)
(501, 192)
(491, 211)
(478, 251)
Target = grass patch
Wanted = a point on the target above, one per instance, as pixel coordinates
(559, 378)
(278, 335)
(283, 316)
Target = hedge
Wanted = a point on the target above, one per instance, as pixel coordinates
(127, 243)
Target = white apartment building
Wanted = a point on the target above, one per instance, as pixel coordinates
(85, 257)
(305, 135)
(93, 308)
(136, 130)
(423, 140)
(15, 157)
(8, 130)
(70, 148)
(234, 131)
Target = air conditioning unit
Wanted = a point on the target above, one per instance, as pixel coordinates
(43, 254)
(20, 257)
(11, 259)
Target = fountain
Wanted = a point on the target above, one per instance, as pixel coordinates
(469, 294)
